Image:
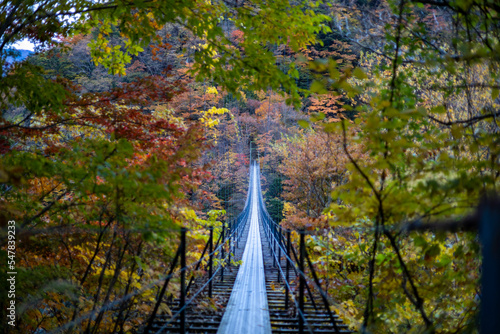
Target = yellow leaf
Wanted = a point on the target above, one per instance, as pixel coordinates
(359, 74)
(165, 309)
(494, 93)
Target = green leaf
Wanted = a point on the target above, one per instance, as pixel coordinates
(457, 131)
(331, 127)
(359, 74)
(318, 87)
(420, 241)
(380, 258)
(433, 251)
(317, 117)
(303, 123)
(494, 93)
(438, 110)
(444, 261)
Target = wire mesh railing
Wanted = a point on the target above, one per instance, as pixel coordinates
(281, 247)
(229, 237)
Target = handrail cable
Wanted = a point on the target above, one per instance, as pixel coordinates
(279, 241)
(127, 297)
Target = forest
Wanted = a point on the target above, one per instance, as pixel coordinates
(375, 124)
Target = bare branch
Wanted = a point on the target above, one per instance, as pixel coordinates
(469, 121)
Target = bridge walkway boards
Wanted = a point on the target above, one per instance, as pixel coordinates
(247, 310)
(254, 297)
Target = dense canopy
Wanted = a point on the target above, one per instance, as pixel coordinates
(375, 123)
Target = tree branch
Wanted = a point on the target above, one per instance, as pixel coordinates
(469, 121)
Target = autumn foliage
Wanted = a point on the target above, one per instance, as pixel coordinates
(136, 120)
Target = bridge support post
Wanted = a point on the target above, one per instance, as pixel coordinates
(268, 232)
(229, 242)
(183, 281)
(232, 235)
(279, 254)
(236, 234)
(287, 291)
(274, 256)
(210, 260)
(223, 255)
(302, 281)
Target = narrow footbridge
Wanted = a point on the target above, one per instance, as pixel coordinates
(274, 290)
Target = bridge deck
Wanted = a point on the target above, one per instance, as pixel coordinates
(247, 310)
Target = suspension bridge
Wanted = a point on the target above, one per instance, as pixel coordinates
(274, 290)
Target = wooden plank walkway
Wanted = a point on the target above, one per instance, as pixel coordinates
(243, 303)
(247, 310)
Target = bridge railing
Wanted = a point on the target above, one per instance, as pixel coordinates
(229, 237)
(281, 247)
